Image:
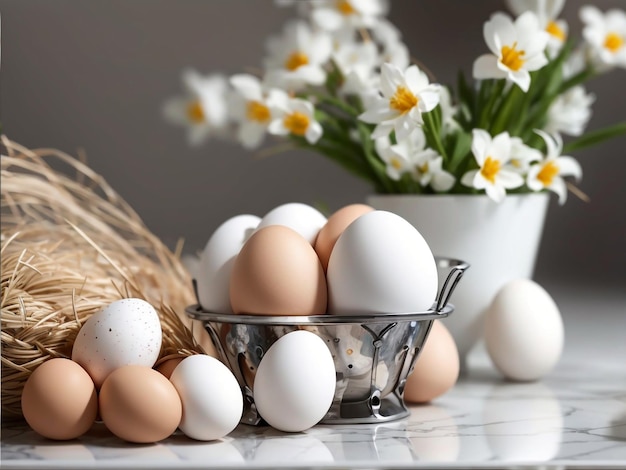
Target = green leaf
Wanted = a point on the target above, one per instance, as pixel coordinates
(595, 137)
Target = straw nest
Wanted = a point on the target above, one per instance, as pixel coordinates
(70, 246)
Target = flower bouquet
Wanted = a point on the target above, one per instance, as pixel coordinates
(339, 81)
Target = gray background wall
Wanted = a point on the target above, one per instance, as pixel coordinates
(94, 74)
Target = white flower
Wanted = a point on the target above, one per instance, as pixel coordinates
(549, 173)
(333, 15)
(547, 12)
(251, 107)
(522, 156)
(394, 50)
(294, 116)
(518, 49)
(570, 112)
(405, 96)
(492, 156)
(398, 163)
(606, 35)
(297, 57)
(412, 156)
(356, 61)
(203, 110)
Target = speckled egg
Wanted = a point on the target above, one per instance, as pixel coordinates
(127, 332)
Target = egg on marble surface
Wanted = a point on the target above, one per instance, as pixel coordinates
(295, 382)
(277, 272)
(217, 260)
(334, 227)
(302, 218)
(436, 369)
(381, 264)
(211, 397)
(59, 400)
(138, 404)
(126, 332)
(523, 331)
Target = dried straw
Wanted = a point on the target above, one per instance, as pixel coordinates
(69, 247)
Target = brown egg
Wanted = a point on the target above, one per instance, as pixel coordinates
(436, 368)
(277, 272)
(138, 404)
(167, 367)
(336, 224)
(59, 400)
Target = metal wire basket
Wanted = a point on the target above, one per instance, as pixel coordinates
(373, 354)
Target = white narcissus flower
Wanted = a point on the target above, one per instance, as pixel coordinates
(606, 35)
(522, 156)
(518, 49)
(356, 61)
(394, 50)
(405, 96)
(570, 112)
(297, 58)
(397, 163)
(492, 156)
(549, 173)
(547, 12)
(294, 116)
(333, 15)
(412, 156)
(251, 107)
(204, 109)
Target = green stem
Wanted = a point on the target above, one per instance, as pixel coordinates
(376, 164)
(486, 111)
(431, 130)
(503, 113)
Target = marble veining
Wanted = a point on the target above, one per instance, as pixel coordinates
(573, 418)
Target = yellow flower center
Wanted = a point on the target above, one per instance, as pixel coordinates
(613, 42)
(257, 111)
(512, 57)
(423, 168)
(345, 8)
(195, 113)
(403, 100)
(547, 173)
(490, 169)
(295, 60)
(297, 123)
(555, 30)
(516, 163)
(396, 163)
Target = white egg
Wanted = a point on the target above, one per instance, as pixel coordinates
(523, 331)
(295, 382)
(126, 332)
(211, 397)
(381, 264)
(217, 259)
(302, 218)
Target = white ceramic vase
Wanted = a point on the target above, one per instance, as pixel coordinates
(499, 240)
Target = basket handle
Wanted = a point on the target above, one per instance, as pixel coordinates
(457, 269)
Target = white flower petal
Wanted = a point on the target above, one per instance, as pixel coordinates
(509, 179)
(481, 141)
(569, 167)
(327, 18)
(442, 181)
(382, 130)
(496, 192)
(277, 127)
(429, 97)
(468, 178)
(558, 186)
(248, 86)
(501, 25)
(251, 135)
(501, 147)
(522, 78)
(486, 66)
(313, 132)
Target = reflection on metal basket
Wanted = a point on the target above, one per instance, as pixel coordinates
(373, 354)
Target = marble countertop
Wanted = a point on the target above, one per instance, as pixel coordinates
(573, 418)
